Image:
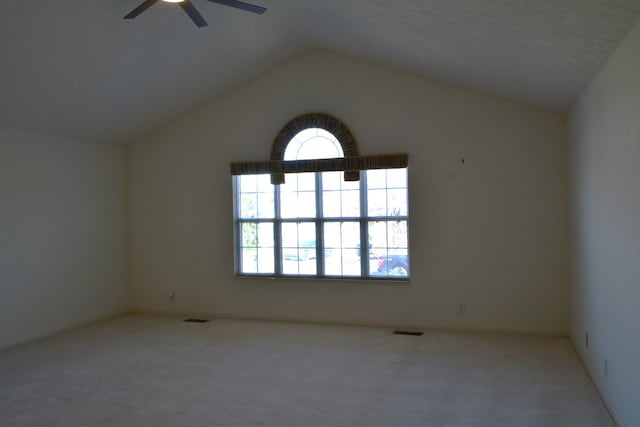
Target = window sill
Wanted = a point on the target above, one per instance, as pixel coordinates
(395, 281)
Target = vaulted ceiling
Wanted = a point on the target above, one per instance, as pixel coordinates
(76, 68)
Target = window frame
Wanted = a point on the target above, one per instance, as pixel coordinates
(363, 220)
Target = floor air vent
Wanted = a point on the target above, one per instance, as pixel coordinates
(414, 333)
(196, 320)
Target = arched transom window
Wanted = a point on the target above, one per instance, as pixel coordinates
(313, 143)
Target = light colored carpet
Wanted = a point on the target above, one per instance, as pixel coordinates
(143, 370)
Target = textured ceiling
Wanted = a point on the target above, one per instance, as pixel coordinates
(76, 68)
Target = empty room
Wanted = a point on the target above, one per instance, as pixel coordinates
(336, 213)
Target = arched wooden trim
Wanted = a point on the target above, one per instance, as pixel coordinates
(351, 164)
(314, 120)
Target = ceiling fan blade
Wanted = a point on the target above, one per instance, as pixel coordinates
(138, 10)
(242, 5)
(193, 13)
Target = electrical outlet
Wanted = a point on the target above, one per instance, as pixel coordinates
(461, 310)
(171, 295)
(586, 339)
(606, 368)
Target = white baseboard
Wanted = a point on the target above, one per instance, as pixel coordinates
(603, 395)
(393, 325)
(57, 331)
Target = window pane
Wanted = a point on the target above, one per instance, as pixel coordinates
(392, 266)
(299, 182)
(318, 148)
(265, 205)
(331, 180)
(265, 235)
(298, 205)
(306, 181)
(378, 237)
(297, 196)
(335, 181)
(397, 202)
(306, 204)
(377, 202)
(288, 204)
(248, 183)
(249, 234)
(265, 260)
(342, 243)
(396, 178)
(332, 235)
(333, 244)
(331, 204)
(264, 183)
(349, 185)
(313, 143)
(397, 237)
(257, 248)
(290, 234)
(248, 205)
(351, 203)
(340, 198)
(249, 260)
(384, 201)
(256, 197)
(390, 246)
(292, 149)
(307, 235)
(376, 179)
(299, 248)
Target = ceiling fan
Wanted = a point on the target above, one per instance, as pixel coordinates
(191, 10)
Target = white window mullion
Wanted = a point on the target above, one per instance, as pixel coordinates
(277, 233)
(364, 226)
(319, 227)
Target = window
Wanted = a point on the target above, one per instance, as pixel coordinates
(317, 224)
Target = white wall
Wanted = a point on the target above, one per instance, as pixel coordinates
(490, 233)
(605, 177)
(62, 234)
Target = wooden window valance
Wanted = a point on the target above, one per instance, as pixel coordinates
(351, 164)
